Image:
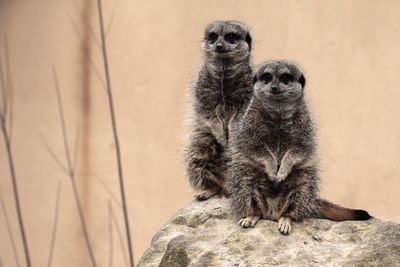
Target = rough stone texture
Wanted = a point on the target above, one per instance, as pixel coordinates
(205, 234)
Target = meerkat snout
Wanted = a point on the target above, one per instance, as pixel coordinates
(275, 89)
(220, 48)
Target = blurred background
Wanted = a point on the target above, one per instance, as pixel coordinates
(349, 50)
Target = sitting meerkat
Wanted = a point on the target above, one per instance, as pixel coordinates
(221, 92)
(273, 172)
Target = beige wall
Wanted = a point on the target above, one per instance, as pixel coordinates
(349, 50)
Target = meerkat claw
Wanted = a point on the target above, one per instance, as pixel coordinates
(284, 225)
(250, 221)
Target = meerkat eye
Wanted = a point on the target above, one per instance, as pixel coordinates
(212, 37)
(231, 37)
(266, 77)
(286, 78)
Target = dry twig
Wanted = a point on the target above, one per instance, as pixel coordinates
(71, 171)
(55, 226)
(115, 133)
(111, 238)
(120, 236)
(5, 112)
(8, 225)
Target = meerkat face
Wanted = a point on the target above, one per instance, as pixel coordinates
(278, 81)
(226, 39)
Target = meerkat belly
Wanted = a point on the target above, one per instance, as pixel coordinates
(273, 208)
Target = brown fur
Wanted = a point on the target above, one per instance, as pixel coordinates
(335, 212)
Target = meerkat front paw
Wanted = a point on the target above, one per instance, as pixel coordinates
(280, 177)
(285, 225)
(249, 221)
(276, 179)
(205, 194)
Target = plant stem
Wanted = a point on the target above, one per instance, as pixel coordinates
(71, 171)
(115, 133)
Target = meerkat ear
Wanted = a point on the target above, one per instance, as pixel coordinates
(255, 79)
(302, 81)
(248, 40)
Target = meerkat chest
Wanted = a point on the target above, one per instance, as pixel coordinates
(278, 141)
(221, 123)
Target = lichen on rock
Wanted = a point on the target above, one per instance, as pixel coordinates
(205, 234)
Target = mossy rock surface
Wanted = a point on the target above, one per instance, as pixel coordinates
(205, 234)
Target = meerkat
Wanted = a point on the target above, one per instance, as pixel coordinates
(273, 171)
(220, 93)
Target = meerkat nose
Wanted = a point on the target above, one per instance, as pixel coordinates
(219, 47)
(274, 89)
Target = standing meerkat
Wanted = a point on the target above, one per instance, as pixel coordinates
(273, 172)
(221, 92)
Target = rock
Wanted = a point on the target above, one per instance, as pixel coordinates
(205, 234)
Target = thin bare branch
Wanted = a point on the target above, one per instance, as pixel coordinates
(110, 22)
(10, 157)
(4, 98)
(10, 234)
(1, 263)
(111, 239)
(63, 125)
(2, 121)
(54, 156)
(120, 236)
(109, 191)
(16, 193)
(9, 85)
(2, 92)
(55, 226)
(87, 21)
(94, 36)
(115, 133)
(71, 170)
(75, 157)
(93, 66)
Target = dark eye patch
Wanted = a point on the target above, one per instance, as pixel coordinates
(212, 37)
(232, 37)
(286, 78)
(266, 77)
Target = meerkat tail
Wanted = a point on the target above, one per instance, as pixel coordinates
(328, 210)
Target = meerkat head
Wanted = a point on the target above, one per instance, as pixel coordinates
(279, 81)
(226, 39)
